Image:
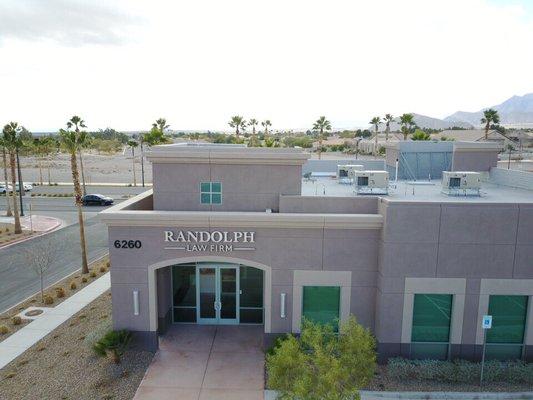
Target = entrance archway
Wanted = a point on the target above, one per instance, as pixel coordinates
(152, 283)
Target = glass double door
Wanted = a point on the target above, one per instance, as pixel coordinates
(217, 294)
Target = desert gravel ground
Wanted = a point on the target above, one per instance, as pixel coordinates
(99, 268)
(64, 366)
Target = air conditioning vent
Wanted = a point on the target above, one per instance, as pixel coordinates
(371, 182)
(461, 183)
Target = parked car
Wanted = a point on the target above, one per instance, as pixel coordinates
(3, 188)
(96, 200)
(27, 187)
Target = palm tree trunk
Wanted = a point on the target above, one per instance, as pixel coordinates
(320, 145)
(40, 171)
(82, 173)
(387, 130)
(18, 229)
(376, 142)
(9, 213)
(133, 159)
(77, 190)
(487, 126)
(49, 177)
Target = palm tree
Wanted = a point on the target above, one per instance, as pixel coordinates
(490, 117)
(71, 142)
(78, 123)
(9, 213)
(265, 124)
(161, 125)
(11, 142)
(376, 121)
(407, 122)
(237, 122)
(321, 125)
(388, 119)
(133, 143)
(253, 122)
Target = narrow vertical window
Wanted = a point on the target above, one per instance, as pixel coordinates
(430, 335)
(506, 337)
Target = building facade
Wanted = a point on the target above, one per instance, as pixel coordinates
(235, 235)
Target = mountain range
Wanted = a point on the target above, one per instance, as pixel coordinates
(516, 111)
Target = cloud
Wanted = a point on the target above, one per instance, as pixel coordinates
(71, 23)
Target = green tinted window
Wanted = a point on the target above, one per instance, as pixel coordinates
(216, 198)
(251, 295)
(321, 304)
(184, 292)
(431, 318)
(216, 187)
(508, 319)
(211, 193)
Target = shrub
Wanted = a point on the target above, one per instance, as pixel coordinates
(112, 345)
(3, 329)
(322, 364)
(107, 264)
(92, 274)
(459, 371)
(73, 285)
(60, 292)
(102, 269)
(48, 299)
(16, 320)
(84, 279)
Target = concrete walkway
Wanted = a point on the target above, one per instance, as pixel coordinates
(201, 362)
(23, 339)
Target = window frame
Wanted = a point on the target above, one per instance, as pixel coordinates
(210, 193)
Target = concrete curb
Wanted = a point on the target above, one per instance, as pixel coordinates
(57, 225)
(367, 395)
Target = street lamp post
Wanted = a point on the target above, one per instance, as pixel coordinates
(21, 184)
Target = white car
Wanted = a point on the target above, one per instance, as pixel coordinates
(27, 187)
(3, 188)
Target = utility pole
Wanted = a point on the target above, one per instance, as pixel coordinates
(21, 184)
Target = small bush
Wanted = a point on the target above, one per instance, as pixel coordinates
(112, 345)
(16, 320)
(3, 329)
(92, 274)
(60, 292)
(84, 279)
(322, 364)
(102, 269)
(73, 285)
(48, 299)
(107, 264)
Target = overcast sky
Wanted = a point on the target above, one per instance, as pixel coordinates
(125, 63)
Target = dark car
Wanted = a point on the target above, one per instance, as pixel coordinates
(96, 200)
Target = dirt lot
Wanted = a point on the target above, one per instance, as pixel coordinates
(64, 366)
(98, 168)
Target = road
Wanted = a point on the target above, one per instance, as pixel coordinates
(18, 280)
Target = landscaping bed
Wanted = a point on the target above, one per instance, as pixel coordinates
(64, 366)
(388, 379)
(57, 293)
(7, 234)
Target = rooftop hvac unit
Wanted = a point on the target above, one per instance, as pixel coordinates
(457, 183)
(345, 172)
(371, 182)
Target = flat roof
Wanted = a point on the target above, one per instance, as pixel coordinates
(419, 191)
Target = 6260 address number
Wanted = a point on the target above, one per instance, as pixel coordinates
(128, 244)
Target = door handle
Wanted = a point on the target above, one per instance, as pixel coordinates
(215, 305)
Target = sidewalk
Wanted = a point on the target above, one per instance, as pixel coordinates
(47, 322)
